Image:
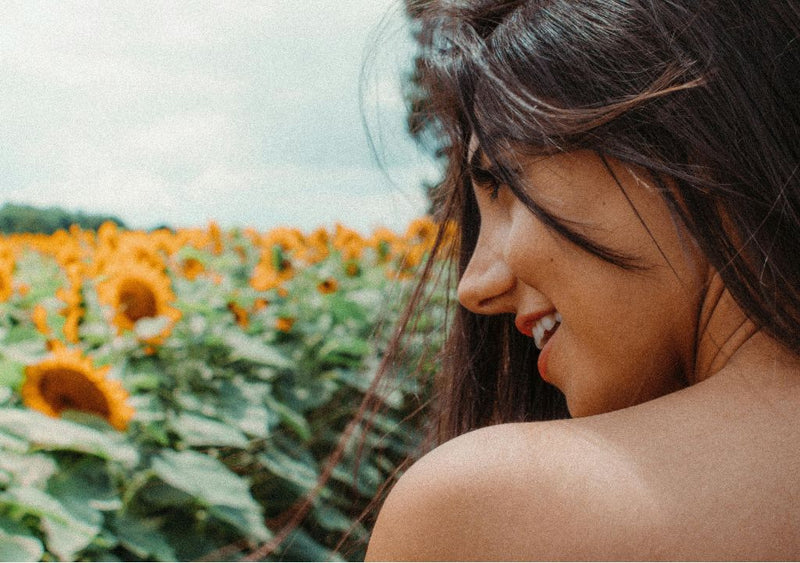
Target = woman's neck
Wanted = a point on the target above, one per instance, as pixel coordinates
(723, 332)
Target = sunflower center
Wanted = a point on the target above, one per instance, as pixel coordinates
(137, 300)
(65, 388)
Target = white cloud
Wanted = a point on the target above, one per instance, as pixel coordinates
(180, 112)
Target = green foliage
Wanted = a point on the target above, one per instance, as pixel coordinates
(235, 422)
(15, 218)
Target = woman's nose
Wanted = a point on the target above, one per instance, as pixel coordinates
(488, 284)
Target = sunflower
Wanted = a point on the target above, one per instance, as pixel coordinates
(266, 275)
(408, 262)
(135, 292)
(328, 285)
(68, 380)
(216, 236)
(6, 280)
(352, 268)
(349, 243)
(317, 247)
(39, 318)
(71, 296)
(69, 254)
(72, 324)
(284, 324)
(241, 252)
(412, 258)
(108, 234)
(385, 243)
(191, 268)
(422, 231)
(240, 314)
(288, 239)
(7, 252)
(140, 247)
(130, 247)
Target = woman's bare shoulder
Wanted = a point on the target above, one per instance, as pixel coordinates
(688, 476)
(515, 492)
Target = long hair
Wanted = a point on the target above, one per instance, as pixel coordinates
(702, 94)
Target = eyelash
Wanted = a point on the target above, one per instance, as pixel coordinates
(494, 190)
(488, 181)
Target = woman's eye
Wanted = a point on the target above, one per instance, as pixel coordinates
(493, 189)
(486, 180)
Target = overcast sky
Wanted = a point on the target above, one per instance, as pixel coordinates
(244, 112)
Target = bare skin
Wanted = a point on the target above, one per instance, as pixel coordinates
(684, 442)
(708, 472)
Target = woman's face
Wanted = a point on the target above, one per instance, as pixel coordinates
(610, 337)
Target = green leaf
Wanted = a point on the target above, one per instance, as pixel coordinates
(344, 350)
(300, 546)
(151, 327)
(142, 537)
(162, 495)
(248, 522)
(11, 373)
(242, 404)
(344, 309)
(331, 518)
(22, 336)
(361, 381)
(19, 547)
(66, 535)
(205, 478)
(311, 394)
(290, 418)
(198, 430)
(85, 489)
(350, 346)
(143, 381)
(368, 480)
(279, 463)
(208, 480)
(24, 349)
(252, 349)
(30, 469)
(368, 298)
(54, 434)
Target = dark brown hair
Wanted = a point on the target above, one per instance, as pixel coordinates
(703, 94)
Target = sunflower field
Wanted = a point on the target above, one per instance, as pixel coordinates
(189, 394)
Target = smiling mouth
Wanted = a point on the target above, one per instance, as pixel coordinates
(544, 328)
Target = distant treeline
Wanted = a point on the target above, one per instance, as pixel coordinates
(16, 218)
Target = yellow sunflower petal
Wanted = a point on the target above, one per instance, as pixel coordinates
(68, 380)
(135, 292)
(6, 281)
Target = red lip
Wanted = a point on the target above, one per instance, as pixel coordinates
(525, 323)
(544, 356)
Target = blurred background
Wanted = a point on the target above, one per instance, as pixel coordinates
(210, 223)
(248, 113)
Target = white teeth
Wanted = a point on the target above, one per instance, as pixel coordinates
(544, 328)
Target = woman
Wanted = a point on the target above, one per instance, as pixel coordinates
(624, 177)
